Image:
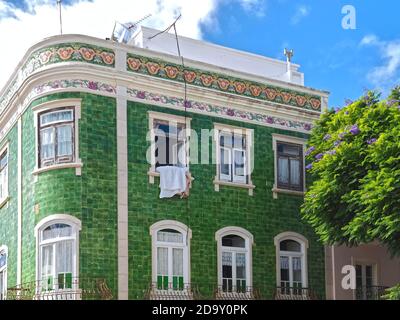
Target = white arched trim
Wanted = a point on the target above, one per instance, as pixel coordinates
(236, 231)
(289, 235)
(59, 218)
(249, 241)
(187, 235)
(67, 219)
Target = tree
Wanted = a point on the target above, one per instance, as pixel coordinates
(354, 162)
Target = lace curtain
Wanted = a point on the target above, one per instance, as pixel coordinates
(177, 262)
(57, 231)
(162, 261)
(226, 259)
(47, 143)
(64, 140)
(283, 173)
(56, 117)
(296, 263)
(295, 172)
(165, 236)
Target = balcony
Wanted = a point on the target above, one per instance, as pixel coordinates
(294, 293)
(67, 289)
(172, 291)
(236, 293)
(370, 292)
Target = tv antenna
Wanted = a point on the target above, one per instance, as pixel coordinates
(59, 3)
(123, 32)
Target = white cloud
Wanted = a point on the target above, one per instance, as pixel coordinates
(388, 73)
(256, 7)
(301, 12)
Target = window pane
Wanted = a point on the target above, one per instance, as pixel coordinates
(295, 172)
(368, 276)
(283, 170)
(239, 142)
(239, 158)
(177, 263)
(225, 165)
(47, 143)
(64, 140)
(289, 149)
(225, 140)
(358, 276)
(290, 245)
(296, 267)
(3, 259)
(47, 261)
(284, 268)
(233, 241)
(57, 230)
(64, 257)
(56, 116)
(162, 261)
(240, 265)
(169, 235)
(3, 160)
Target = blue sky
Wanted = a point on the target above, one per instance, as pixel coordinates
(344, 62)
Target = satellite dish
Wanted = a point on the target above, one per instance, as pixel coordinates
(123, 32)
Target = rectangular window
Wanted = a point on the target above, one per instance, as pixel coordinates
(170, 143)
(4, 175)
(56, 137)
(289, 166)
(232, 157)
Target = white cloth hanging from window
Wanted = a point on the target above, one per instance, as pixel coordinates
(172, 181)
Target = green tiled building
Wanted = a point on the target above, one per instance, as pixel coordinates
(86, 124)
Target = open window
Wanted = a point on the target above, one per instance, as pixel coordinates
(169, 137)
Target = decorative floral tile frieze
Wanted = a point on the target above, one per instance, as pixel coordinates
(220, 111)
(5, 99)
(66, 52)
(171, 71)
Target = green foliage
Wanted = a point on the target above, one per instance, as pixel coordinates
(354, 196)
(393, 293)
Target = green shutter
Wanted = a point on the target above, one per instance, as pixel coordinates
(159, 282)
(181, 284)
(68, 280)
(165, 282)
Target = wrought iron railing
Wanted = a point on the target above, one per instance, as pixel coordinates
(185, 291)
(236, 293)
(370, 292)
(52, 289)
(294, 293)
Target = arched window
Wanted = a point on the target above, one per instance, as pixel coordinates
(170, 255)
(3, 272)
(234, 260)
(291, 253)
(58, 246)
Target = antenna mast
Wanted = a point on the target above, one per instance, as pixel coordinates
(59, 8)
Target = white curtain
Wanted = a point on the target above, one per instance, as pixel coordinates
(57, 231)
(47, 261)
(295, 172)
(162, 261)
(239, 157)
(47, 143)
(240, 265)
(165, 236)
(226, 258)
(285, 263)
(283, 174)
(64, 140)
(296, 262)
(64, 257)
(177, 262)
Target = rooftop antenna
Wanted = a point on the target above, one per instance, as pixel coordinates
(59, 3)
(123, 32)
(289, 55)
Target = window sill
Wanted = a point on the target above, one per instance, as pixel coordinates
(4, 201)
(77, 165)
(275, 192)
(153, 174)
(248, 186)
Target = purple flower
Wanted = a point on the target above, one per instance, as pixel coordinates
(230, 112)
(309, 150)
(336, 143)
(319, 156)
(327, 137)
(307, 126)
(346, 112)
(141, 95)
(348, 102)
(392, 102)
(371, 141)
(354, 130)
(270, 120)
(309, 166)
(92, 85)
(188, 104)
(337, 110)
(331, 152)
(341, 135)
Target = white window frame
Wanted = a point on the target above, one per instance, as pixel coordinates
(249, 241)
(302, 254)
(76, 226)
(4, 199)
(293, 140)
(187, 236)
(3, 271)
(75, 105)
(237, 181)
(173, 120)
